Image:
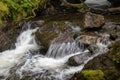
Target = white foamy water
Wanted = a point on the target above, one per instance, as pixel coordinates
(57, 69)
(10, 58)
(59, 50)
(44, 67)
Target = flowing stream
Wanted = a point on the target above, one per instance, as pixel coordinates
(52, 66)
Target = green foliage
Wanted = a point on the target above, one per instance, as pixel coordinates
(115, 52)
(16, 10)
(93, 75)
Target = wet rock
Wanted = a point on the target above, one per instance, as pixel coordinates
(38, 23)
(72, 62)
(9, 33)
(5, 41)
(62, 45)
(63, 38)
(98, 4)
(79, 59)
(113, 29)
(92, 48)
(105, 63)
(88, 39)
(48, 32)
(52, 29)
(108, 63)
(93, 20)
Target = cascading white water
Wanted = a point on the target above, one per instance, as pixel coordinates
(59, 50)
(44, 67)
(10, 58)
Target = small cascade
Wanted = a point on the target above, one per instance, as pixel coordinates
(55, 64)
(11, 58)
(52, 66)
(63, 49)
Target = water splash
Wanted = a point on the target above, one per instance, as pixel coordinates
(52, 66)
(59, 50)
(10, 58)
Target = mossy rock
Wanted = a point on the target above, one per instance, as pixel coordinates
(49, 31)
(93, 75)
(115, 51)
(56, 25)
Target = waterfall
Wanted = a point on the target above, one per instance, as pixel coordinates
(10, 58)
(58, 50)
(52, 66)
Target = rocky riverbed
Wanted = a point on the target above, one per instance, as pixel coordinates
(65, 29)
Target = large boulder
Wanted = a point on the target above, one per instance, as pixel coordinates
(49, 31)
(52, 28)
(93, 20)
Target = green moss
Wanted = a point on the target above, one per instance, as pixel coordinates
(49, 37)
(16, 10)
(93, 75)
(115, 51)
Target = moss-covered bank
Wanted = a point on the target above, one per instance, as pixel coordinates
(15, 10)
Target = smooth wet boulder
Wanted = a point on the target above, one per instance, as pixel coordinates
(79, 59)
(92, 20)
(98, 4)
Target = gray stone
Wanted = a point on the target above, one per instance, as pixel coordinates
(93, 20)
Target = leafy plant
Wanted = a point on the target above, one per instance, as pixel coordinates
(16, 10)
